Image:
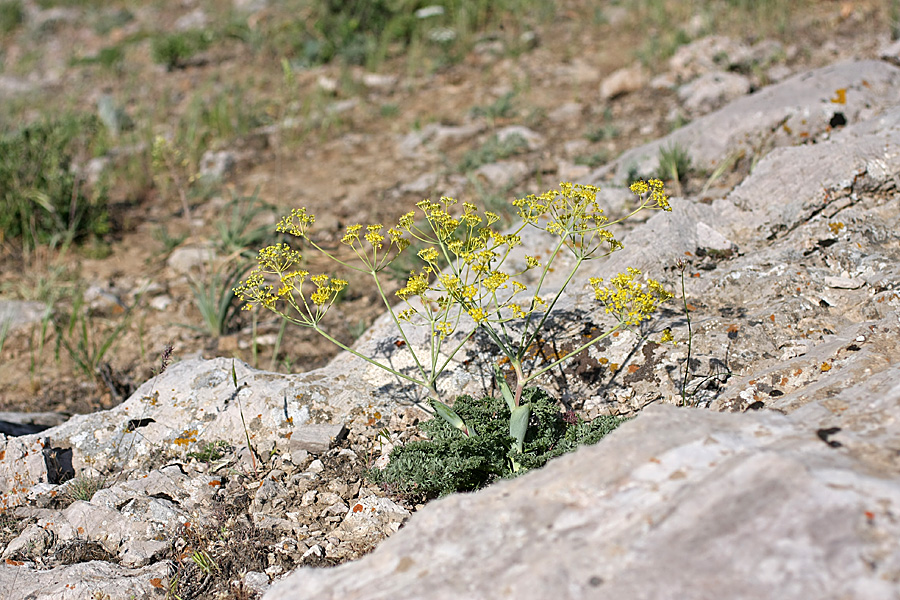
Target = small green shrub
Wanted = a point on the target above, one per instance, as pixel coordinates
(602, 132)
(448, 462)
(110, 58)
(353, 30)
(86, 339)
(42, 199)
(12, 14)
(215, 298)
(237, 233)
(211, 451)
(173, 50)
(491, 151)
(84, 487)
(502, 108)
(674, 163)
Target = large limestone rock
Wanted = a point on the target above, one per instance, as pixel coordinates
(795, 320)
(679, 503)
(799, 109)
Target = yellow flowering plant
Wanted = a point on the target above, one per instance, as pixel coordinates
(468, 281)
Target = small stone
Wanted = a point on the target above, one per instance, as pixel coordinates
(309, 498)
(845, 283)
(256, 581)
(161, 303)
(712, 90)
(336, 509)
(299, 457)
(504, 173)
(379, 81)
(216, 165)
(623, 81)
(316, 438)
(187, 259)
(534, 140)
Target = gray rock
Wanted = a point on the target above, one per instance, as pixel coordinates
(256, 581)
(437, 137)
(18, 313)
(420, 185)
(82, 580)
(316, 438)
(196, 19)
(795, 110)
(19, 423)
(568, 111)
(11, 86)
(217, 166)
(534, 140)
(623, 81)
(504, 173)
(714, 53)
(891, 53)
(712, 90)
(379, 81)
(678, 503)
(187, 259)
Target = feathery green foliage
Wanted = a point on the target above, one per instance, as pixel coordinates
(448, 462)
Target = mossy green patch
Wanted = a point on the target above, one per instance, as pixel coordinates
(449, 462)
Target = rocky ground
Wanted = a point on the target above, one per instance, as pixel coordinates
(518, 112)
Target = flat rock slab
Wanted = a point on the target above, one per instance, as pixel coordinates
(192, 403)
(18, 313)
(797, 109)
(678, 503)
(82, 581)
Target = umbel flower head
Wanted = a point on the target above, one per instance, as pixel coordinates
(275, 279)
(626, 298)
(467, 280)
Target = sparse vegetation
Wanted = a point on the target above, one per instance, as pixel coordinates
(174, 50)
(84, 487)
(210, 452)
(214, 297)
(12, 14)
(674, 163)
(44, 200)
(447, 462)
(492, 150)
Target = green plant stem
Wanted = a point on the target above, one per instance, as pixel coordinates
(390, 309)
(537, 291)
(277, 344)
(425, 383)
(572, 353)
(687, 364)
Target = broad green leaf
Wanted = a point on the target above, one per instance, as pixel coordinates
(518, 424)
(449, 415)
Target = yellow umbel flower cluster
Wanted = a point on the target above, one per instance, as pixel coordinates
(465, 257)
(468, 280)
(652, 194)
(626, 299)
(275, 279)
